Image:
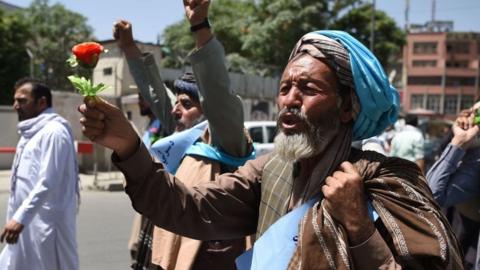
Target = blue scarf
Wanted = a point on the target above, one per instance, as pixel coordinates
(171, 150)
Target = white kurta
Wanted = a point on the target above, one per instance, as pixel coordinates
(44, 196)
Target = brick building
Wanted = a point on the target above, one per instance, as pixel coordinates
(441, 72)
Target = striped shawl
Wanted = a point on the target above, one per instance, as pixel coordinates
(410, 221)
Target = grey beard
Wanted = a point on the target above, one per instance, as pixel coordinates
(293, 147)
(306, 144)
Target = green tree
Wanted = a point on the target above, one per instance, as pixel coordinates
(280, 23)
(13, 56)
(389, 39)
(259, 35)
(230, 19)
(54, 31)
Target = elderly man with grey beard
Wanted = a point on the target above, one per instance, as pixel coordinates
(314, 203)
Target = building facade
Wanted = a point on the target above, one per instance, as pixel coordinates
(442, 72)
(112, 68)
(258, 93)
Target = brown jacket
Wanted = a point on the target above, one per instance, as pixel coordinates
(227, 208)
(172, 251)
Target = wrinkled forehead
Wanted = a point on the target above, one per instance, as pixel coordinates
(307, 66)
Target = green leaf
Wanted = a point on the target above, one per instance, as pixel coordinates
(85, 86)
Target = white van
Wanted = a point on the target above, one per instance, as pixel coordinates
(262, 134)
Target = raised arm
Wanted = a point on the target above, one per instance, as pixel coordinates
(226, 208)
(145, 72)
(222, 108)
(454, 178)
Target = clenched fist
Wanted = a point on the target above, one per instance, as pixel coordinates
(345, 200)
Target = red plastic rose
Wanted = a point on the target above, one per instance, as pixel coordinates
(87, 53)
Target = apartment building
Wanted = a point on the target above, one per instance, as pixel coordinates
(442, 72)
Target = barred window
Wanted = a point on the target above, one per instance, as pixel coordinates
(458, 47)
(424, 63)
(450, 104)
(467, 102)
(457, 64)
(424, 80)
(416, 102)
(425, 47)
(433, 103)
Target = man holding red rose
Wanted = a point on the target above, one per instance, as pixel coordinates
(224, 135)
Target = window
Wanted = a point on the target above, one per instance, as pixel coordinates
(433, 103)
(107, 71)
(424, 80)
(451, 104)
(424, 48)
(271, 132)
(457, 64)
(467, 102)
(424, 63)
(460, 81)
(416, 102)
(458, 47)
(257, 134)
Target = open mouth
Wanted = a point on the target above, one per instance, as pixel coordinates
(290, 123)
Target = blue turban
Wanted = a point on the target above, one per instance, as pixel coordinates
(378, 100)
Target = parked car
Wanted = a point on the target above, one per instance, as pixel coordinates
(262, 134)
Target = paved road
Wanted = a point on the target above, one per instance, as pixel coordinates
(104, 225)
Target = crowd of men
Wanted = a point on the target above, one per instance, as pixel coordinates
(204, 201)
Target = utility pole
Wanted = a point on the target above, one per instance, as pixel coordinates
(407, 17)
(372, 27)
(433, 11)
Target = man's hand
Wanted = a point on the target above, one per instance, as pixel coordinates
(122, 33)
(106, 125)
(11, 232)
(196, 10)
(465, 132)
(346, 202)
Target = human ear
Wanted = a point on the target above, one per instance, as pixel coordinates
(346, 110)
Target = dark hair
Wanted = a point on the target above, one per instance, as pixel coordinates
(411, 119)
(187, 84)
(39, 89)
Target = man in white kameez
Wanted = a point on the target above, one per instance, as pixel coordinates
(41, 215)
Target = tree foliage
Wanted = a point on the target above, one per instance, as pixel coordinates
(388, 38)
(54, 31)
(259, 34)
(280, 23)
(230, 19)
(13, 56)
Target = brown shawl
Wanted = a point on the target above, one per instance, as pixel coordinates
(410, 221)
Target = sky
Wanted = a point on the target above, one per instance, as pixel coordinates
(150, 17)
